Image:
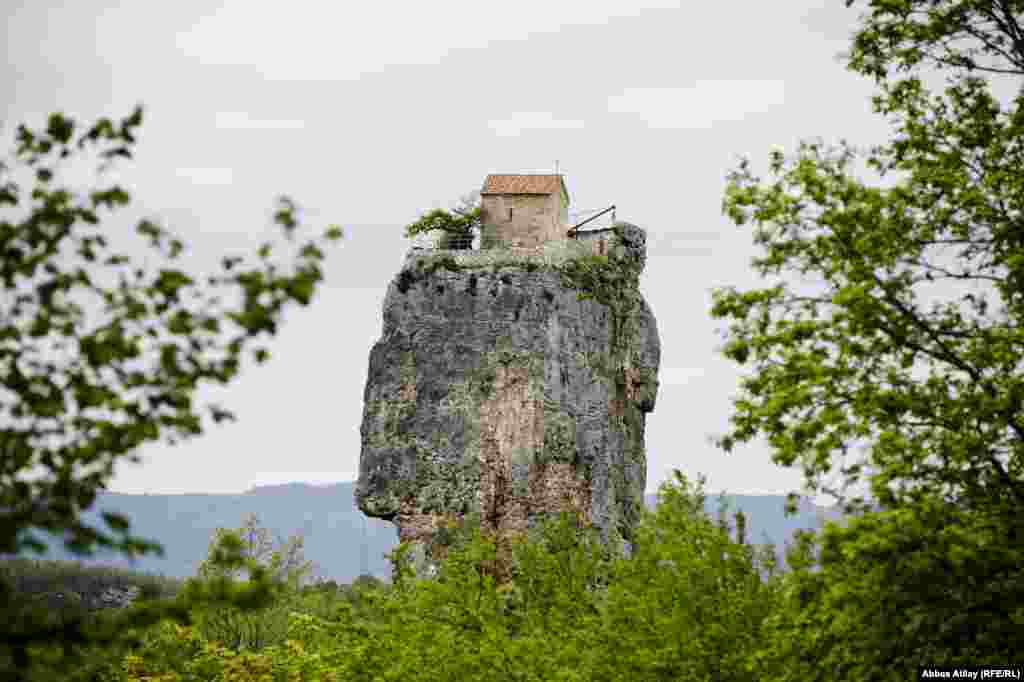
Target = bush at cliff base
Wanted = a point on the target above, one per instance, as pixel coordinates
(690, 603)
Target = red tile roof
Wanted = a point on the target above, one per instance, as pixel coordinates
(523, 184)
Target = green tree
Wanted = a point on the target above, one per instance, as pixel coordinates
(457, 226)
(240, 629)
(893, 590)
(465, 623)
(100, 355)
(933, 393)
(691, 603)
(286, 563)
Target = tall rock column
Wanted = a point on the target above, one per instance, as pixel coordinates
(511, 387)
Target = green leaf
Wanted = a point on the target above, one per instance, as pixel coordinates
(60, 128)
(211, 324)
(302, 289)
(116, 522)
(169, 359)
(111, 197)
(311, 252)
(40, 326)
(169, 282)
(147, 228)
(181, 323)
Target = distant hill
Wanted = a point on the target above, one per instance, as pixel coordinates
(341, 542)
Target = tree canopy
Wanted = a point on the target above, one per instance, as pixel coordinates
(909, 346)
(287, 568)
(100, 354)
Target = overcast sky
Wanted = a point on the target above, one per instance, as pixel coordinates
(370, 113)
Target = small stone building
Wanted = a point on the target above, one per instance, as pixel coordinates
(523, 210)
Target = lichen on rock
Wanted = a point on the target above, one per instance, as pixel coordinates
(510, 388)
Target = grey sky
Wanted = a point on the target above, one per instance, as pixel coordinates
(369, 113)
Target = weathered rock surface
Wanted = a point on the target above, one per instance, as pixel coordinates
(511, 390)
(71, 602)
(117, 598)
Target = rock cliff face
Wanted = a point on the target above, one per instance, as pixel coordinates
(511, 385)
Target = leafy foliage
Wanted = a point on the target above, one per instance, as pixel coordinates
(574, 609)
(238, 629)
(691, 603)
(934, 394)
(824, 380)
(286, 563)
(897, 589)
(99, 355)
(969, 35)
(458, 225)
